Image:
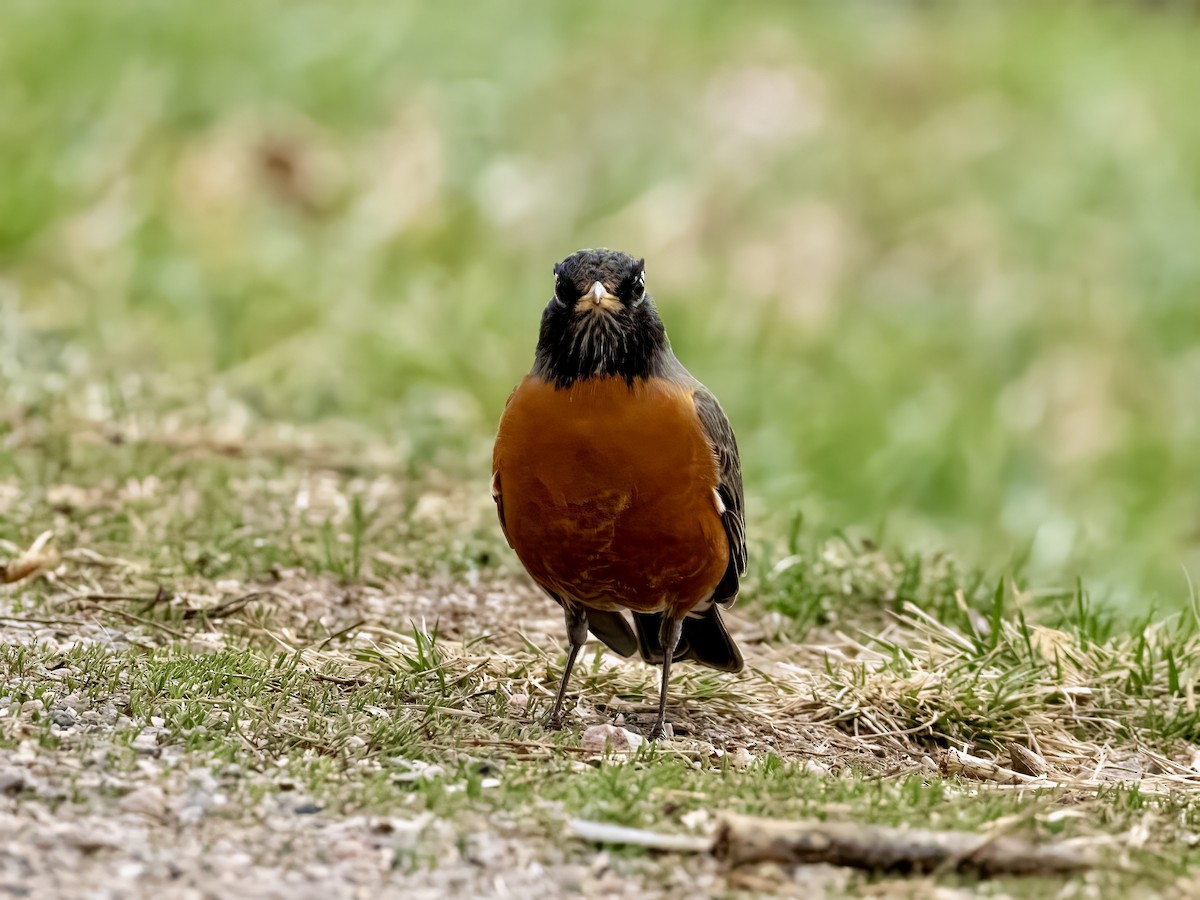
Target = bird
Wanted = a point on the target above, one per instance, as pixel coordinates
(617, 478)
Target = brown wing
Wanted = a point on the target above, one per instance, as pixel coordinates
(729, 488)
(499, 499)
(496, 495)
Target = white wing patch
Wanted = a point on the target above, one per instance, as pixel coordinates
(496, 489)
(716, 497)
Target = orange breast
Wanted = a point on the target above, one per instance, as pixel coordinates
(607, 493)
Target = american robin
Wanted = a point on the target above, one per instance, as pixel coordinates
(617, 480)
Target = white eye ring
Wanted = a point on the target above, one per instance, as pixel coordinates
(641, 282)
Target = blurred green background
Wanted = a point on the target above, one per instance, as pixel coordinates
(941, 263)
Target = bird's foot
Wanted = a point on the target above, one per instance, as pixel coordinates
(555, 722)
(662, 730)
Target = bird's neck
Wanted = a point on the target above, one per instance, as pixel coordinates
(572, 348)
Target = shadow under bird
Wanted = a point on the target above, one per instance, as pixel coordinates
(617, 480)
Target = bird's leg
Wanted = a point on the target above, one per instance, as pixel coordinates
(577, 630)
(671, 629)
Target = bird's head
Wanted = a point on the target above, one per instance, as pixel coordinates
(600, 322)
(600, 281)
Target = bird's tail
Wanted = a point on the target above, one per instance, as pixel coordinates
(612, 628)
(704, 640)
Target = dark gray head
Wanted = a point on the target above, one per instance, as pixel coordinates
(601, 321)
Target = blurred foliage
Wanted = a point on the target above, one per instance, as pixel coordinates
(938, 261)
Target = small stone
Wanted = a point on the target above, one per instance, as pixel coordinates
(598, 738)
(130, 870)
(90, 840)
(307, 809)
(49, 791)
(382, 826)
(146, 742)
(812, 767)
(201, 779)
(741, 758)
(63, 718)
(190, 815)
(12, 782)
(569, 878)
(518, 701)
(146, 801)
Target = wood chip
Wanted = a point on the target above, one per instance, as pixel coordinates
(1025, 761)
(955, 762)
(40, 557)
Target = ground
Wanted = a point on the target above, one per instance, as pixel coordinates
(365, 713)
(268, 272)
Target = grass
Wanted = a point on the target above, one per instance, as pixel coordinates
(268, 273)
(937, 264)
(328, 675)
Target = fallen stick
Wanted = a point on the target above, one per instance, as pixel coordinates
(603, 833)
(744, 839)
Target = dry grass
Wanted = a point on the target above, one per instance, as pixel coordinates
(352, 642)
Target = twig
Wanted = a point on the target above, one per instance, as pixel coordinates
(105, 597)
(148, 623)
(603, 833)
(29, 620)
(341, 631)
(527, 745)
(227, 607)
(84, 556)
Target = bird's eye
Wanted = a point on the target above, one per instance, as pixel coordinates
(560, 287)
(638, 292)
